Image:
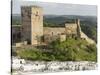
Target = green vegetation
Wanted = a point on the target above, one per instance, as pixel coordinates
(35, 54)
(75, 50)
(69, 50)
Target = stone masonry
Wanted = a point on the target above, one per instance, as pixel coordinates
(32, 24)
(33, 32)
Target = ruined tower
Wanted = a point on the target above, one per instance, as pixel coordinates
(78, 28)
(32, 24)
(73, 29)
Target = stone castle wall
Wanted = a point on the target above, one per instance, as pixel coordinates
(52, 33)
(89, 40)
(53, 30)
(71, 28)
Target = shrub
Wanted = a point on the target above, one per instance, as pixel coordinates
(69, 50)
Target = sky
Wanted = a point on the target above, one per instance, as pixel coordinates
(57, 8)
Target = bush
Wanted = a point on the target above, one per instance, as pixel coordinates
(69, 50)
(74, 50)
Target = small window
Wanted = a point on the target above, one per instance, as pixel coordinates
(36, 13)
(52, 33)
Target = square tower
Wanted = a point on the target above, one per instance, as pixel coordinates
(32, 24)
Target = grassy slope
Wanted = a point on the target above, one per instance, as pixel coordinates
(69, 50)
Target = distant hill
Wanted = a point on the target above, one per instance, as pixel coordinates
(65, 18)
(16, 18)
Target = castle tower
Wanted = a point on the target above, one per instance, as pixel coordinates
(32, 24)
(78, 28)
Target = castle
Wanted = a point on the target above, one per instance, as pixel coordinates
(34, 33)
